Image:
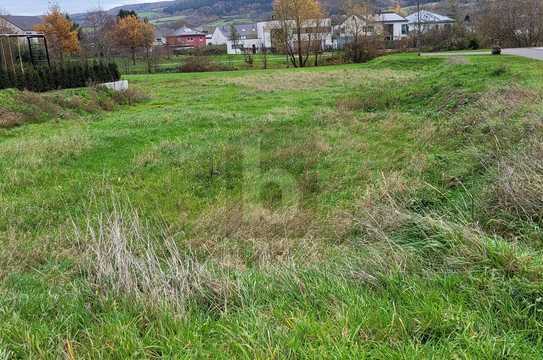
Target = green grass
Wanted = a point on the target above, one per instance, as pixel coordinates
(385, 242)
(236, 62)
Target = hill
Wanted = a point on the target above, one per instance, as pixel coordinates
(385, 210)
(219, 12)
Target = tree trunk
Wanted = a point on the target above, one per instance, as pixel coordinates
(300, 52)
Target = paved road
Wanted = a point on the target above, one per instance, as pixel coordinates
(532, 53)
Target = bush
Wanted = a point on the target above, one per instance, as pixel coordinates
(450, 39)
(363, 50)
(201, 64)
(206, 51)
(56, 77)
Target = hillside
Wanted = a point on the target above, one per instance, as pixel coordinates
(218, 12)
(385, 210)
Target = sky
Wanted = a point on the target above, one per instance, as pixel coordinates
(38, 7)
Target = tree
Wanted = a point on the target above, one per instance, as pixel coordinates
(60, 33)
(126, 13)
(360, 16)
(133, 34)
(360, 28)
(511, 23)
(99, 33)
(301, 22)
(235, 37)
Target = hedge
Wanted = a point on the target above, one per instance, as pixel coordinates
(56, 77)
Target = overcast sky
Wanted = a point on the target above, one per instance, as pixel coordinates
(37, 7)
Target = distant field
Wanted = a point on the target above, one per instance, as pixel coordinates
(167, 19)
(384, 210)
(236, 62)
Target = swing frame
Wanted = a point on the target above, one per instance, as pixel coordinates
(28, 42)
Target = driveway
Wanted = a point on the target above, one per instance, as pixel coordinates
(532, 53)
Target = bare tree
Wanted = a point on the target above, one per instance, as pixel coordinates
(99, 40)
(301, 22)
(234, 37)
(511, 23)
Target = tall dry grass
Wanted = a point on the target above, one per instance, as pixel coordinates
(127, 258)
(518, 184)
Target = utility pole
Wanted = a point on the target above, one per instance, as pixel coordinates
(418, 27)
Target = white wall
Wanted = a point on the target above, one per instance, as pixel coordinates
(264, 30)
(247, 44)
(398, 30)
(218, 38)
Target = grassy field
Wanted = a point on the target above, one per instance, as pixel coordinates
(384, 210)
(234, 62)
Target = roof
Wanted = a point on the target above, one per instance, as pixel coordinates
(249, 31)
(427, 17)
(185, 31)
(390, 17)
(25, 23)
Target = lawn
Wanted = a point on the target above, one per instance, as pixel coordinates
(384, 210)
(172, 63)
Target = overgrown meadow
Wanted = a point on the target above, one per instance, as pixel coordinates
(385, 210)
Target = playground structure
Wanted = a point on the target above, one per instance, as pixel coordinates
(17, 49)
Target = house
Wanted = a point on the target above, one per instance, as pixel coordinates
(218, 37)
(267, 33)
(20, 25)
(244, 40)
(425, 21)
(186, 38)
(391, 25)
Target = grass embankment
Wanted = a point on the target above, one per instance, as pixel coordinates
(391, 209)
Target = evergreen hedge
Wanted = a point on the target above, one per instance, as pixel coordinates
(56, 77)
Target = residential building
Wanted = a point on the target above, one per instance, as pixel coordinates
(426, 21)
(391, 25)
(246, 39)
(186, 38)
(219, 37)
(20, 25)
(318, 30)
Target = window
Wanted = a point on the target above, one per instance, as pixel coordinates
(368, 29)
(405, 29)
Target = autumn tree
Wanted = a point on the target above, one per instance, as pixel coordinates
(301, 25)
(61, 34)
(133, 34)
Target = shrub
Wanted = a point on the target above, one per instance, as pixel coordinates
(207, 51)
(363, 50)
(72, 75)
(201, 64)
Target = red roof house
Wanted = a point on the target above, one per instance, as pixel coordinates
(186, 38)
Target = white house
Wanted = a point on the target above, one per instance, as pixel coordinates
(20, 25)
(219, 37)
(246, 39)
(394, 26)
(391, 25)
(266, 31)
(427, 21)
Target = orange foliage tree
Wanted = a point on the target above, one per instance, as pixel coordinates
(133, 34)
(60, 33)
